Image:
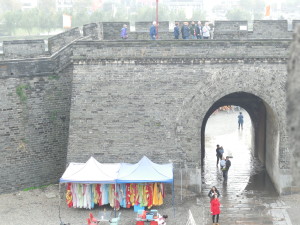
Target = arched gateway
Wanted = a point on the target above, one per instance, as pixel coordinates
(154, 98)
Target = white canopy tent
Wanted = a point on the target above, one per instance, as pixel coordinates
(91, 172)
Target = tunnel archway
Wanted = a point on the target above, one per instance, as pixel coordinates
(257, 111)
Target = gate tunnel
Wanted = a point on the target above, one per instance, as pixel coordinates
(257, 111)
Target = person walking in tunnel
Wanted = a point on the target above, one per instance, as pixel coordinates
(215, 209)
(240, 120)
(222, 163)
(226, 169)
(212, 192)
(218, 154)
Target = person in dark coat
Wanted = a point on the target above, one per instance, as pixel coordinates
(185, 30)
(153, 31)
(176, 31)
(199, 30)
(226, 169)
(212, 192)
(218, 154)
(193, 31)
(240, 120)
(215, 209)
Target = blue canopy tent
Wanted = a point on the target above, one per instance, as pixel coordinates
(146, 171)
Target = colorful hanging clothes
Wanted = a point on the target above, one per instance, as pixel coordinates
(117, 195)
(69, 196)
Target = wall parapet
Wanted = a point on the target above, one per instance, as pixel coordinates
(24, 49)
(193, 49)
(58, 41)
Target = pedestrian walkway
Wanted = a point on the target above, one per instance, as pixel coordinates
(249, 196)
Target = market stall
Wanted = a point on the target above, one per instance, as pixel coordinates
(118, 184)
(90, 183)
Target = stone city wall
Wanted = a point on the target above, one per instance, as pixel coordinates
(222, 30)
(34, 109)
(131, 99)
(94, 30)
(293, 109)
(58, 41)
(24, 49)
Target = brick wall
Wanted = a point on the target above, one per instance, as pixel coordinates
(94, 30)
(293, 109)
(112, 30)
(131, 99)
(59, 41)
(23, 49)
(145, 26)
(34, 109)
(231, 30)
(270, 29)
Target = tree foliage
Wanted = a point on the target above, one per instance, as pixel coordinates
(238, 14)
(46, 17)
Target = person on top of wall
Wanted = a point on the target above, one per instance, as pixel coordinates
(193, 31)
(124, 34)
(176, 31)
(206, 30)
(153, 31)
(199, 30)
(185, 31)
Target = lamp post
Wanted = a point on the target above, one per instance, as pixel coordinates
(156, 19)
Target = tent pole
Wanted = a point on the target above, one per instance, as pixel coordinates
(181, 183)
(115, 199)
(59, 202)
(173, 197)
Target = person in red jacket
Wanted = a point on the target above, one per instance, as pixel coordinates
(215, 209)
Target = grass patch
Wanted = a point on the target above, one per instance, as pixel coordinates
(33, 188)
(21, 92)
(53, 77)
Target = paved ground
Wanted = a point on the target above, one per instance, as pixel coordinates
(247, 198)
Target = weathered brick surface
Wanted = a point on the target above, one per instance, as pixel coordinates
(293, 109)
(270, 29)
(94, 30)
(145, 26)
(34, 130)
(61, 40)
(24, 49)
(231, 30)
(112, 30)
(132, 98)
(151, 98)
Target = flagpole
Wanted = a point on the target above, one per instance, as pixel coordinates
(156, 19)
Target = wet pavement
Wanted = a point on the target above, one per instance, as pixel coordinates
(248, 197)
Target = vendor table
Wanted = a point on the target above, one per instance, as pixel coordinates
(103, 217)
